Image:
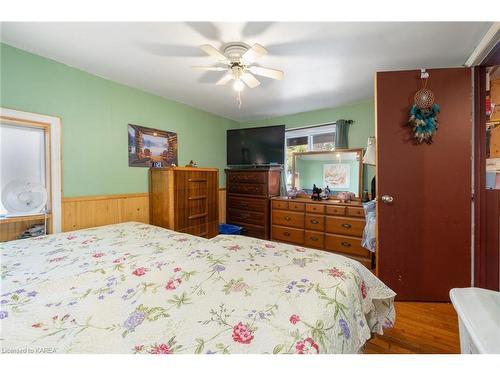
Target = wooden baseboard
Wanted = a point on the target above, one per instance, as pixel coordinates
(93, 211)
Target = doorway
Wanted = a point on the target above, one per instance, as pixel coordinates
(487, 171)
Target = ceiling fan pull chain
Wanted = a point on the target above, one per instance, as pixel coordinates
(239, 99)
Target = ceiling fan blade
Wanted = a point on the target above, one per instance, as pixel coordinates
(210, 68)
(250, 80)
(225, 79)
(254, 53)
(266, 72)
(213, 52)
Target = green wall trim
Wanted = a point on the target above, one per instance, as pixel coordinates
(94, 115)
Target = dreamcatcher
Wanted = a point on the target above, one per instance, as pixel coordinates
(423, 114)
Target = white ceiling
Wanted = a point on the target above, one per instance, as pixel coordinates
(325, 64)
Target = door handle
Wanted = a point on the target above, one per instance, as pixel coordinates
(387, 198)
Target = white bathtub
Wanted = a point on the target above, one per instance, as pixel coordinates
(479, 319)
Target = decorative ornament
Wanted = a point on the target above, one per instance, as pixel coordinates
(316, 193)
(424, 98)
(423, 114)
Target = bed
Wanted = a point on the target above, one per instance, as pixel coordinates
(136, 288)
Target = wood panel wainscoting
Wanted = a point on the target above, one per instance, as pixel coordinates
(11, 228)
(222, 205)
(84, 212)
(94, 211)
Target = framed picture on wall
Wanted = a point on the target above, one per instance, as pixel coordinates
(337, 176)
(151, 147)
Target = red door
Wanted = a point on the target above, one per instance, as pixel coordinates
(424, 235)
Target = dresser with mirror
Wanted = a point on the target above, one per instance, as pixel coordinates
(331, 224)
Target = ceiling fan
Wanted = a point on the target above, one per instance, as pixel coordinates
(236, 59)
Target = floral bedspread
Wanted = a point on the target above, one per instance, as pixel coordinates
(136, 288)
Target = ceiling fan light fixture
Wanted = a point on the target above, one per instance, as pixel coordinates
(238, 58)
(238, 86)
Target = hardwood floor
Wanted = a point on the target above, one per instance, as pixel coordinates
(421, 328)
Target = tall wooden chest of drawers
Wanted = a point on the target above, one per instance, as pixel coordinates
(185, 200)
(326, 225)
(247, 201)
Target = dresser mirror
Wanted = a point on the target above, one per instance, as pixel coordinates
(339, 170)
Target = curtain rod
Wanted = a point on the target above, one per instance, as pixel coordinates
(350, 122)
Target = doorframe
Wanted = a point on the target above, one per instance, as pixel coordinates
(480, 249)
(479, 177)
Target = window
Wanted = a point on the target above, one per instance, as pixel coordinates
(30, 151)
(323, 142)
(23, 156)
(314, 138)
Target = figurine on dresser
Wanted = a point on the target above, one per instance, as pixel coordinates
(316, 194)
(325, 195)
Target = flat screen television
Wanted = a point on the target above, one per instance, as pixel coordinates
(256, 146)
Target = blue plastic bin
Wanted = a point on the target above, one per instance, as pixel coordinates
(229, 229)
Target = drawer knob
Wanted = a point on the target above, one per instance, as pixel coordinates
(287, 218)
(313, 238)
(314, 221)
(346, 226)
(286, 234)
(345, 244)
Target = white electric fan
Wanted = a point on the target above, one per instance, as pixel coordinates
(24, 198)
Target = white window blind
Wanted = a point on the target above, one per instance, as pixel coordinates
(22, 155)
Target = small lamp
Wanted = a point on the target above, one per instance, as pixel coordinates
(370, 159)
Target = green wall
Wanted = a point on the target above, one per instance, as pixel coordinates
(362, 113)
(95, 113)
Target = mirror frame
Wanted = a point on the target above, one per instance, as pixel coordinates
(334, 152)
